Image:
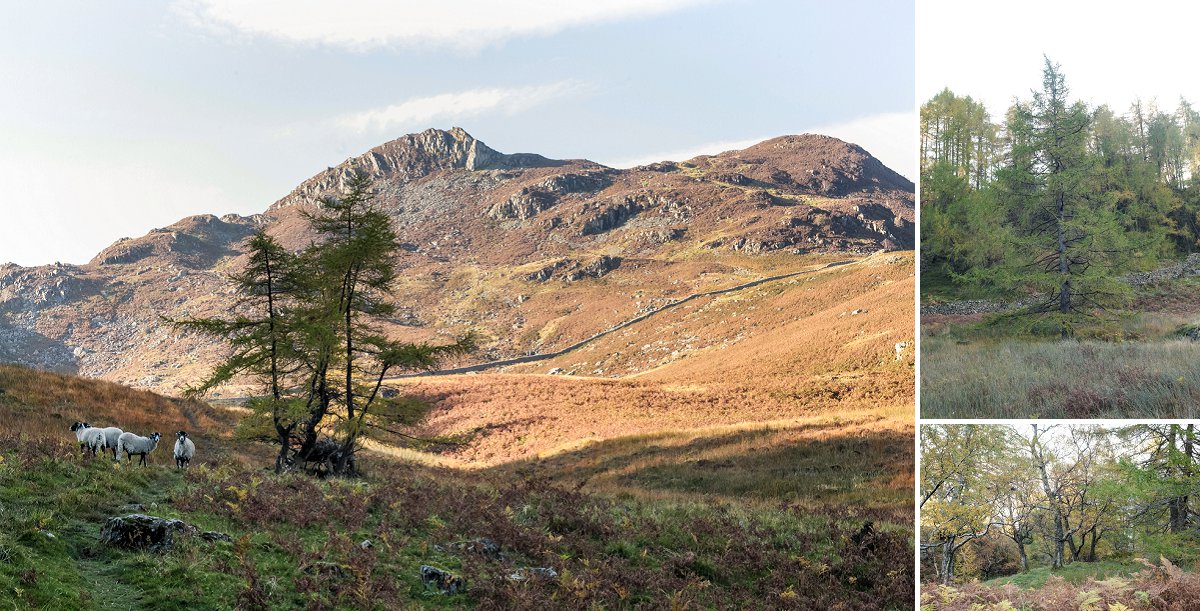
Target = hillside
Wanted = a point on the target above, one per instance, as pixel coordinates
(534, 253)
(645, 531)
(799, 351)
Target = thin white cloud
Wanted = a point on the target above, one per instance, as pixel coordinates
(890, 137)
(421, 112)
(368, 24)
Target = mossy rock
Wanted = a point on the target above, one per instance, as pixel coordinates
(142, 532)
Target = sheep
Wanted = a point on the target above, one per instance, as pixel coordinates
(89, 438)
(184, 450)
(80, 429)
(132, 444)
(111, 435)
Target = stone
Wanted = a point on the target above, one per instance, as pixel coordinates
(529, 572)
(142, 532)
(139, 531)
(864, 539)
(484, 547)
(213, 536)
(442, 581)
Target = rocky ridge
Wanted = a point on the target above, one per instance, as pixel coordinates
(537, 252)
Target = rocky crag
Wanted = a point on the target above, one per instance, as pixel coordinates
(535, 252)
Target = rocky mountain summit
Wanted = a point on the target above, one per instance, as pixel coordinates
(535, 252)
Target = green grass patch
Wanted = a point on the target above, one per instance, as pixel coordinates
(297, 541)
(1075, 573)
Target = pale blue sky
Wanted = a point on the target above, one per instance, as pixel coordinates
(119, 117)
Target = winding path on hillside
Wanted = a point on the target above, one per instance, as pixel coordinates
(533, 358)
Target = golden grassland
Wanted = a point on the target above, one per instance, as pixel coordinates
(796, 352)
(798, 396)
(45, 404)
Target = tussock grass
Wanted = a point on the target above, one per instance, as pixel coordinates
(1016, 378)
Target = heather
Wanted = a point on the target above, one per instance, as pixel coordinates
(756, 517)
(297, 541)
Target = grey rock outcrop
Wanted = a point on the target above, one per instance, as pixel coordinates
(139, 531)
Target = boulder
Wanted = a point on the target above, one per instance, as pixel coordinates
(212, 536)
(142, 532)
(442, 581)
(138, 531)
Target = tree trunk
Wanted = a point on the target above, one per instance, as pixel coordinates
(1177, 507)
(1075, 550)
(1051, 495)
(1058, 545)
(1064, 294)
(1185, 511)
(947, 565)
(1024, 556)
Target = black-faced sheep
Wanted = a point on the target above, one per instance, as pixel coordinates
(132, 444)
(184, 450)
(89, 438)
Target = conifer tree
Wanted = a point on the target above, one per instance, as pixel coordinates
(260, 336)
(345, 292)
(1073, 244)
(311, 336)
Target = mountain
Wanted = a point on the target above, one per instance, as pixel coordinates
(535, 253)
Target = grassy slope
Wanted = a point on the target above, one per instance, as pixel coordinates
(297, 538)
(793, 354)
(1144, 370)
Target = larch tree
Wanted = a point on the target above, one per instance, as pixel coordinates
(345, 292)
(261, 340)
(1075, 246)
(314, 340)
